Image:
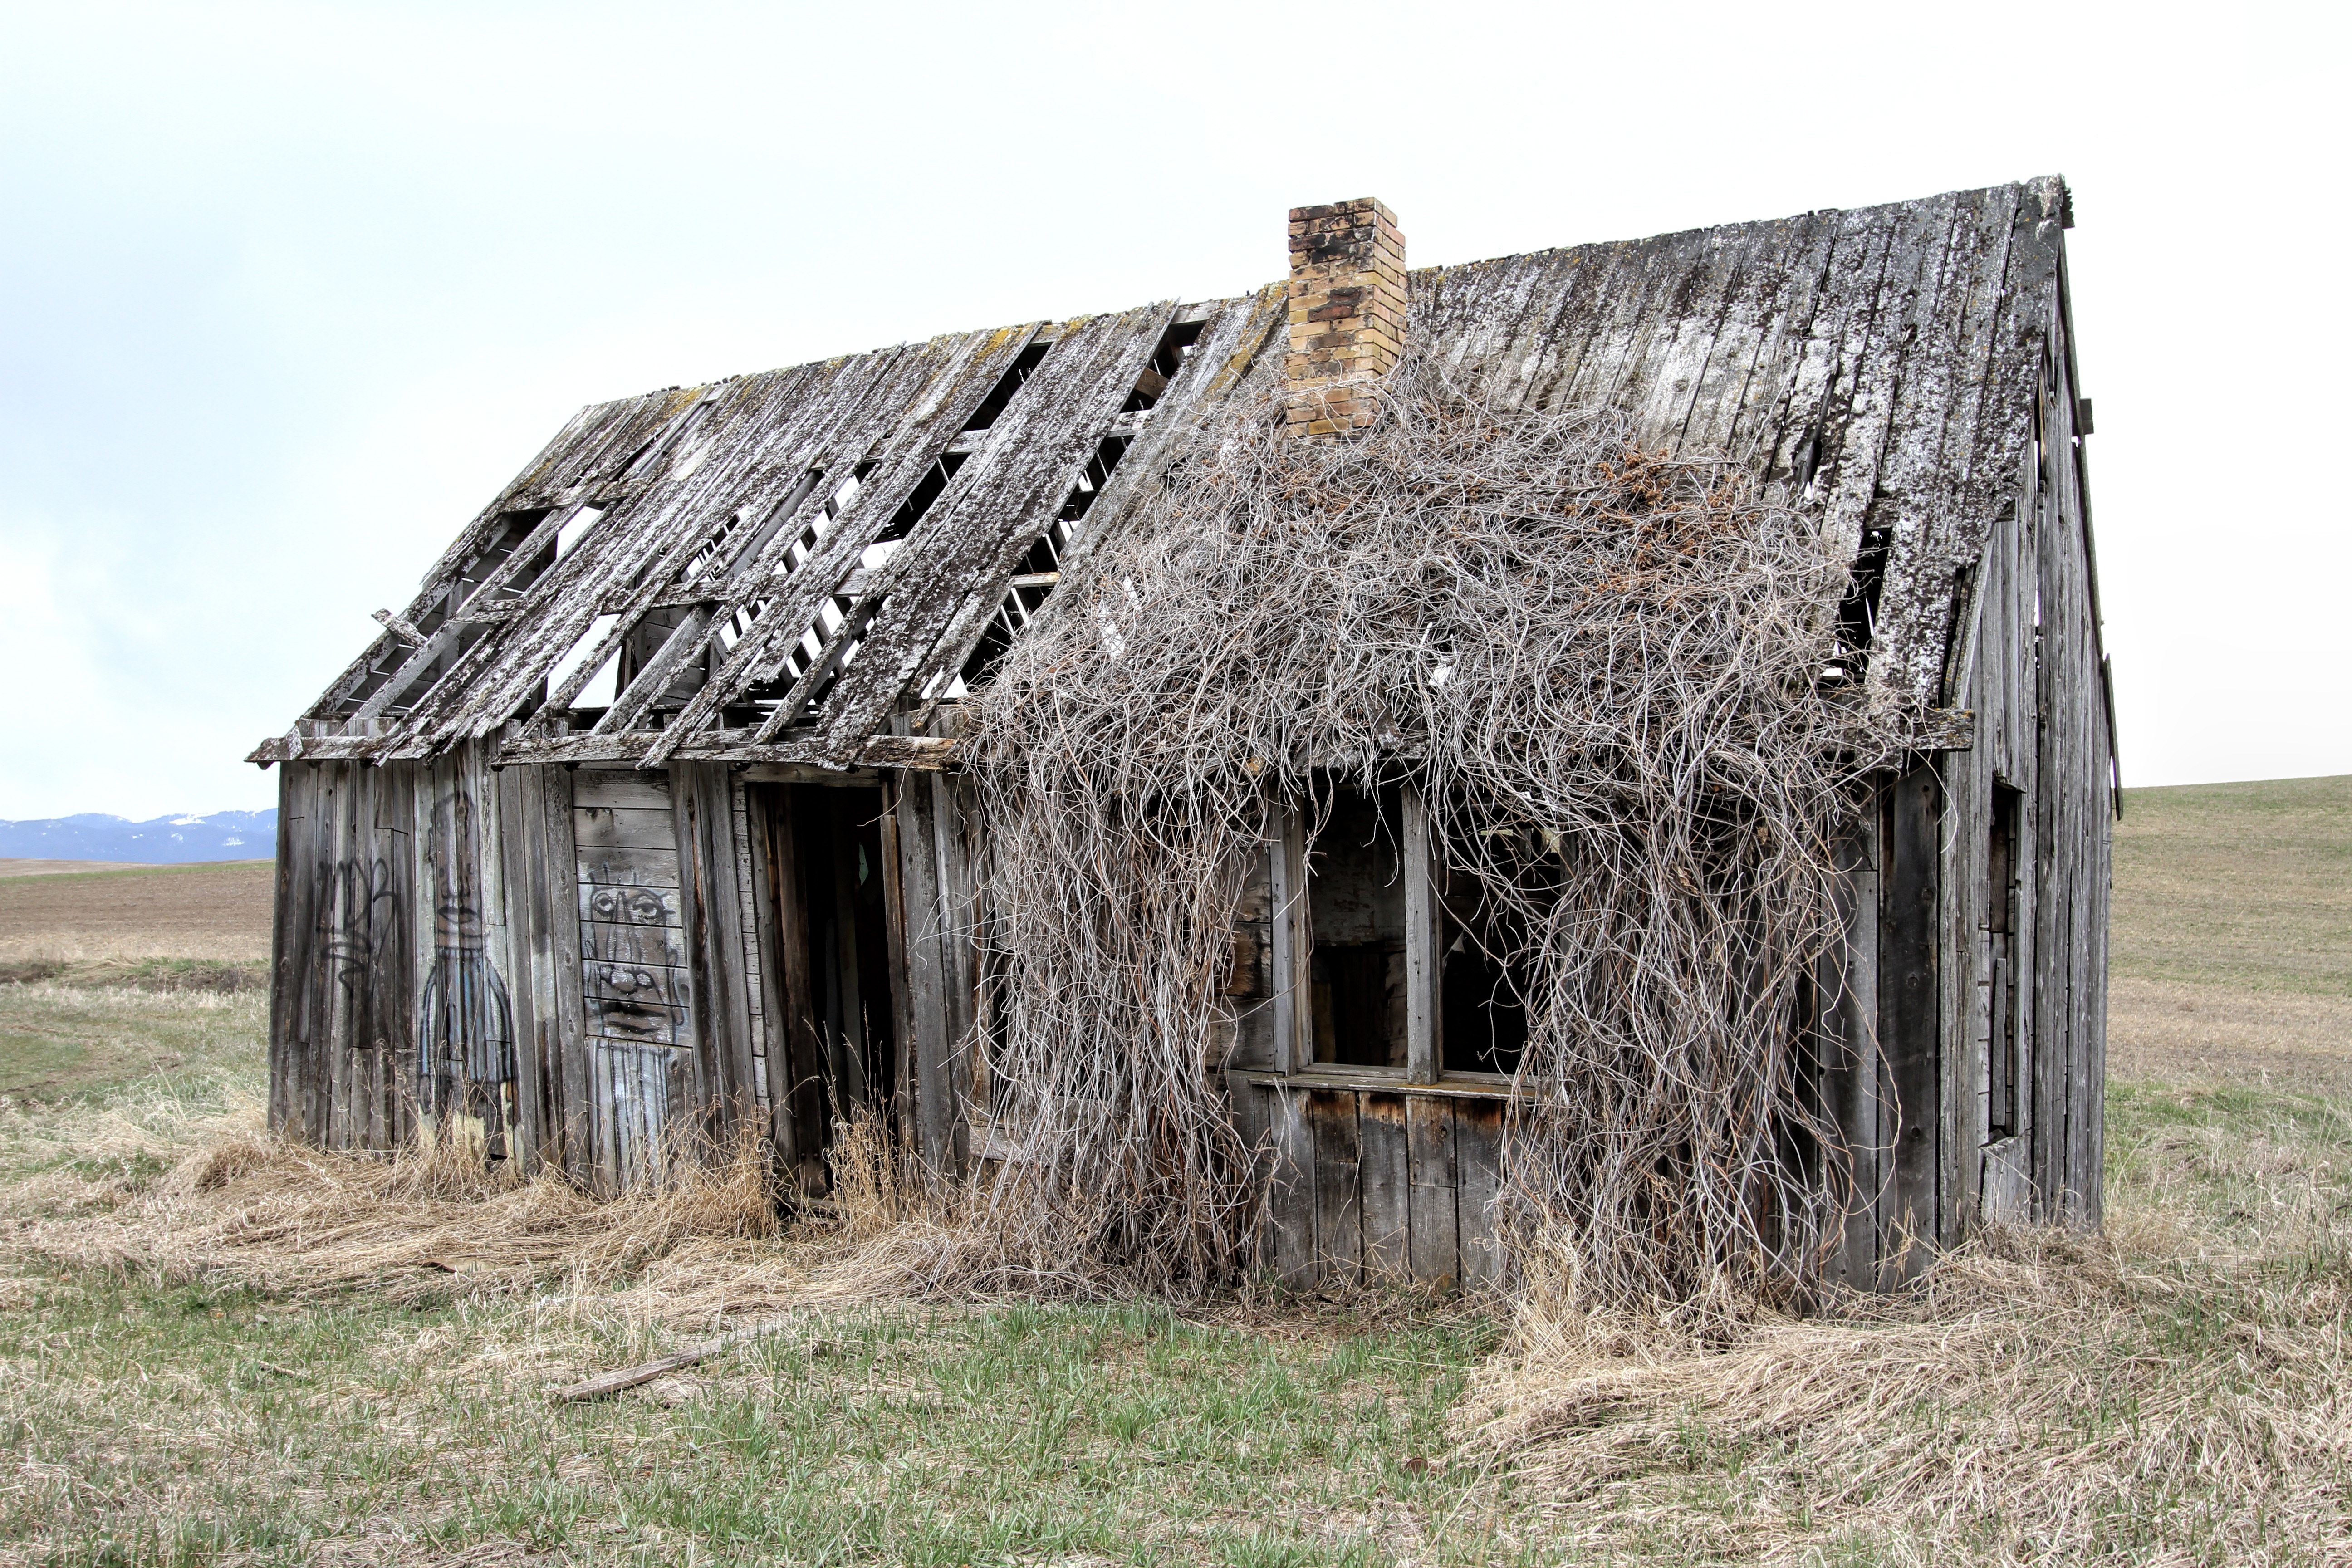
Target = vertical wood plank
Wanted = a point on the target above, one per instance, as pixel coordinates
(1331, 1115)
(1963, 984)
(760, 802)
(571, 1119)
(522, 848)
(717, 816)
(925, 937)
(399, 961)
(1425, 1051)
(329, 1112)
(1849, 988)
(2052, 823)
(1478, 1162)
(894, 923)
(960, 959)
(1291, 1187)
(1385, 1173)
(704, 1084)
(1431, 1195)
(1288, 916)
(291, 920)
(1254, 1129)
(597, 1106)
(1911, 1009)
(718, 1080)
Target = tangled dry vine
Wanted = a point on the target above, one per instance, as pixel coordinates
(1602, 665)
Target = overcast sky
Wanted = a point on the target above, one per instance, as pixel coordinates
(291, 291)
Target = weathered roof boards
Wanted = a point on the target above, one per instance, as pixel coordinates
(644, 807)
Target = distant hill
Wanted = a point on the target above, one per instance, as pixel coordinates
(164, 840)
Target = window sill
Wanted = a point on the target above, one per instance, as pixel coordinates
(1378, 1080)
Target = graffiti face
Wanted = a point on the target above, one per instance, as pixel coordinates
(630, 958)
(628, 906)
(632, 1001)
(632, 985)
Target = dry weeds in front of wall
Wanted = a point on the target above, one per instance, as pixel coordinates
(2041, 1397)
(240, 1208)
(246, 1209)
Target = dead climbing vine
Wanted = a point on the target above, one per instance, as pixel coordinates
(1603, 668)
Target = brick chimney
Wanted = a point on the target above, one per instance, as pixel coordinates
(1347, 311)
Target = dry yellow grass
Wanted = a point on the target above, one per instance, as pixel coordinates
(2169, 1393)
(243, 1209)
(2247, 887)
(2174, 1391)
(2181, 1032)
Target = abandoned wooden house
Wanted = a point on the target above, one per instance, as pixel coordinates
(645, 812)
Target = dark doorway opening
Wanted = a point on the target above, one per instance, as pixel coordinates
(826, 876)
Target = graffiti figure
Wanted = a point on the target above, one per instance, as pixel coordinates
(359, 919)
(465, 1024)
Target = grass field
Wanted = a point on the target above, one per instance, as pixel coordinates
(184, 1378)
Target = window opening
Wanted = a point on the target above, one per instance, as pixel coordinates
(1858, 612)
(1482, 972)
(2002, 1066)
(1356, 921)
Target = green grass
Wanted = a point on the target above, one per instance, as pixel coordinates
(145, 1026)
(146, 1419)
(174, 1424)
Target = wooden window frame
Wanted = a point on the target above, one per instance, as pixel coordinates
(1293, 1022)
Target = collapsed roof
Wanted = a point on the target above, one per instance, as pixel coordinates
(802, 565)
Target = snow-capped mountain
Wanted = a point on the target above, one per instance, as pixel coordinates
(222, 835)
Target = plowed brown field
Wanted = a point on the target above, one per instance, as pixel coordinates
(217, 911)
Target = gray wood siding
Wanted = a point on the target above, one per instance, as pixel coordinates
(2026, 660)
(1361, 1179)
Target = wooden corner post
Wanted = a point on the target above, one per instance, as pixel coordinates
(1288, 887)
(1425, 1049)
